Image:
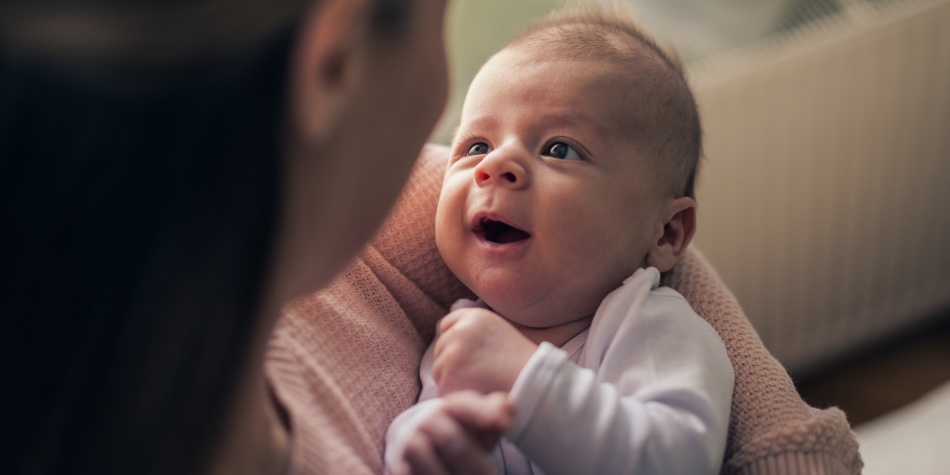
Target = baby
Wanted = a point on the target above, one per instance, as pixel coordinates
(568, 192)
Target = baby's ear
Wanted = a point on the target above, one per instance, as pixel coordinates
(677, 232)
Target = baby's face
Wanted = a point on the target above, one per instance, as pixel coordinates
(547, 205)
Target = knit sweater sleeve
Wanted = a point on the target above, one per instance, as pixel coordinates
(772, 431)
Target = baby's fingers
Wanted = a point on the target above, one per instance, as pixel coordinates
(486, 418)
(421, 458)
(450, 449)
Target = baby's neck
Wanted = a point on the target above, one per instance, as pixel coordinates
(556, 336)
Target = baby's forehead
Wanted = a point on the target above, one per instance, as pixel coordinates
(594, 69)
(590, 73)
(621, 61)
(590, 91)
(631, 88)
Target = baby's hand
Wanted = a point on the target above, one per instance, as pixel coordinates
(478, 350)
(455, 437)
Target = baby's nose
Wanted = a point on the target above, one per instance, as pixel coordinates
(501, 168)
(482, 175)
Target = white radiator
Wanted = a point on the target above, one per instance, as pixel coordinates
(824, 198)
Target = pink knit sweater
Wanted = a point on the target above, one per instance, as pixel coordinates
(344, 361)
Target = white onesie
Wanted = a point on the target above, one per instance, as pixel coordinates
(646, 389)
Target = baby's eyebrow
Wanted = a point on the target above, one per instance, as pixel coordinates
(479, 125)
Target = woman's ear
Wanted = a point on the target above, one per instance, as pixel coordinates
(325, 66)
(678, 230)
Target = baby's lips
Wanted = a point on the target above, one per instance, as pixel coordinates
(498, 229)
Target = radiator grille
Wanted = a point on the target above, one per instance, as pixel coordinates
(825, 192)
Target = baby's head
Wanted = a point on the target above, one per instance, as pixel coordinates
(572, 167)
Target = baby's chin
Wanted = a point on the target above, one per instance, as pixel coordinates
(506, 299)
(547, 325)
(525, 314)
(531, 302)
(517, 317)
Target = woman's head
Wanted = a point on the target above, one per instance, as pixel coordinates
(363, 105)
(155, 158)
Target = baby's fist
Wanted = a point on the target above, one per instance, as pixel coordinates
(479, 350)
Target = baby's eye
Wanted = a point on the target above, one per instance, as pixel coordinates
(480, 148)
(562, 151)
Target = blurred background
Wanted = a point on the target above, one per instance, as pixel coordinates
(824, 194)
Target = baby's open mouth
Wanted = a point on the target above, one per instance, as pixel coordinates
(499, 232)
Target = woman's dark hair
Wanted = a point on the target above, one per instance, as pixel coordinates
(138, 211)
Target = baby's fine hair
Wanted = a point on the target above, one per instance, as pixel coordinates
(663, 112)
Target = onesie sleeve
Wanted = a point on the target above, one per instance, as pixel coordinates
(658, 402)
